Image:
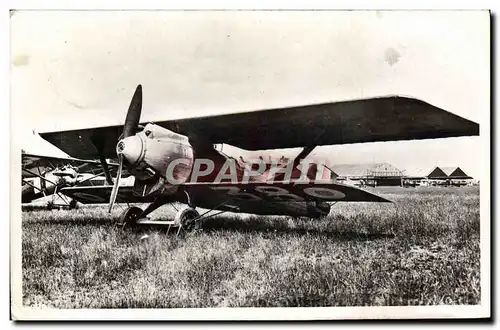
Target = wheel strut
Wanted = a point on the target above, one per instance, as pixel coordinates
(158, 202)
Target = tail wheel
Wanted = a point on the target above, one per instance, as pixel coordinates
(130, 215)
(187, 219)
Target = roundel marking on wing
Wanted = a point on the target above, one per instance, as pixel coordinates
(324, 193)
(89, 197)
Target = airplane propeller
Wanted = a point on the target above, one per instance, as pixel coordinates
(129, 129)
(133, 114)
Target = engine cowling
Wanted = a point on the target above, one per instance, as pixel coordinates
(157, 153)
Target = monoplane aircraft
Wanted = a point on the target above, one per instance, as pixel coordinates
(176, 161)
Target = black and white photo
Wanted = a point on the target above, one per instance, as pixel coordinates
(230, 165)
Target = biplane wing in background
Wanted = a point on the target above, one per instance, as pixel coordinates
(148, 151)
(47, 175)
(31, 162)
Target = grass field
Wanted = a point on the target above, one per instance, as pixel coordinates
(421, 250)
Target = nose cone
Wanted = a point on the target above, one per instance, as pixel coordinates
(131, 148)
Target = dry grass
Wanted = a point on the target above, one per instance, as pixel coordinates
(424, 249)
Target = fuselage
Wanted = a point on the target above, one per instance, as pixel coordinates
(162, 161)
(156, 151)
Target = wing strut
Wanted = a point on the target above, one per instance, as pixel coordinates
(303, 154)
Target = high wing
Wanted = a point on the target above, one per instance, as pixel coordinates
(366, 120)
(279, 198)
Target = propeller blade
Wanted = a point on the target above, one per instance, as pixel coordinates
(114, 192)
(129, 129)
(99, 145)
(133, 113)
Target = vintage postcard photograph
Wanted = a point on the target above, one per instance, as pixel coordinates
(249, 165)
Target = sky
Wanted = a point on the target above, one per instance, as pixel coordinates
(76, 69)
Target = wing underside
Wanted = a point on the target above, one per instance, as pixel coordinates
(367, 120)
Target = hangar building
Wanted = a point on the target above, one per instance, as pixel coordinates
(373, 174)
(454, 176)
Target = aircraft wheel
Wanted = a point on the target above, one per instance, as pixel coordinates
(186, 218)
(130, 215)
(73, 204)
(50, 205)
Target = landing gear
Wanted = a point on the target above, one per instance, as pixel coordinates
(187, 219)
(73, 204)
(130, 215)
